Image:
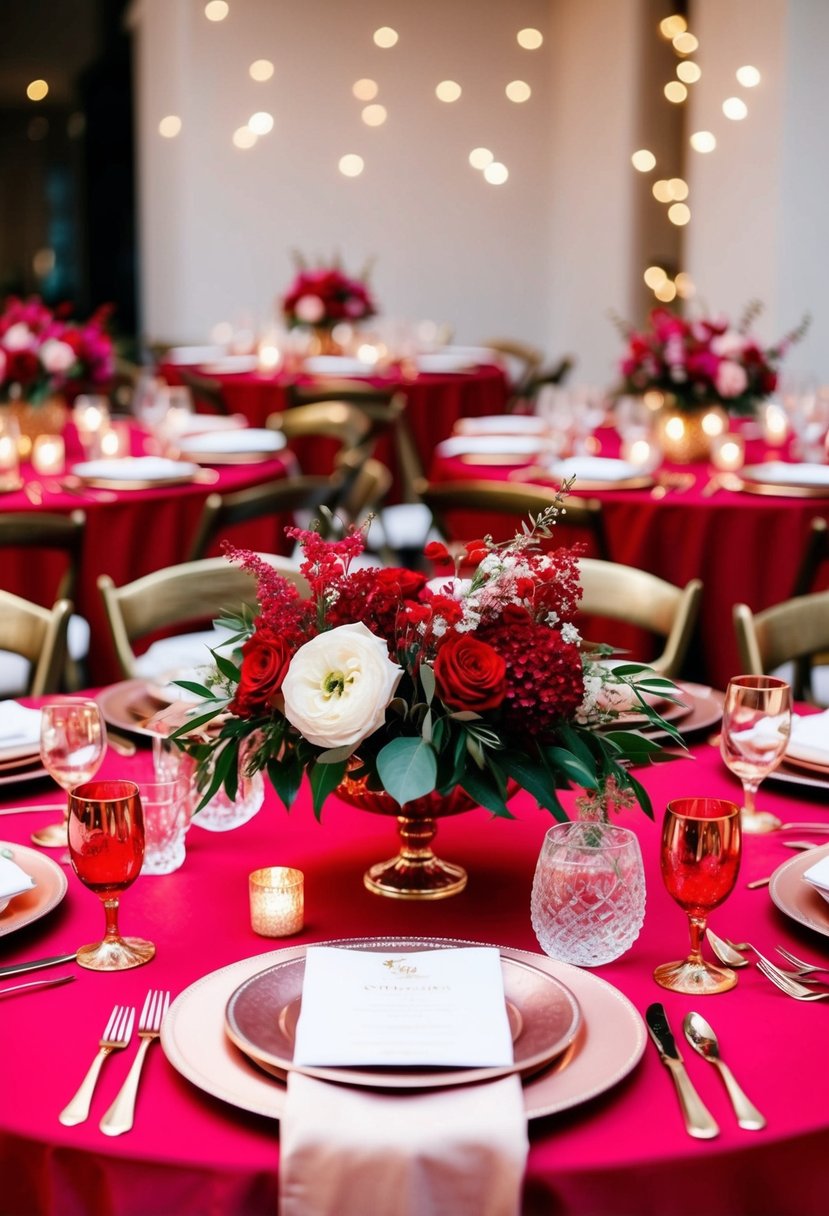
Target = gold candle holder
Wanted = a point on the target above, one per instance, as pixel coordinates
(277, 901)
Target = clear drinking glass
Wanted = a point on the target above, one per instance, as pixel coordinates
(167, 807)
(701, 846)
(757, 719)
(72, 747)
(106, 848)
(588, 896)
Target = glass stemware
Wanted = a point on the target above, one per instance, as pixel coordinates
(700, 858)
(106, 848)
(757, 719)
(72, 747)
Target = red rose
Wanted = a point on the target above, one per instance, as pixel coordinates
(265, 659)
(436, 551)
(469, 674)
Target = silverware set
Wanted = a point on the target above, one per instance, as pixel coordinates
(795, 983)
(699, 1122)
(116, 1037)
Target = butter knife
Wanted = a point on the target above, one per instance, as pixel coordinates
(36, 964)
(698, 1120)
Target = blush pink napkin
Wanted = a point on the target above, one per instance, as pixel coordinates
(348, 1151)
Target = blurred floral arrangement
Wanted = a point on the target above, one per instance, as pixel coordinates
(324, 296)
(703, 361)
(419, 685)
(43, 353)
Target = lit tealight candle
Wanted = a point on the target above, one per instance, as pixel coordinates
(775, 424)
(269, 357)
(277, 901)
(48, 454)
(728, 452)
(90, 415)
(639, 452)
(114, 441)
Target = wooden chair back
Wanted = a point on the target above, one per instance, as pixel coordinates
(37, 635)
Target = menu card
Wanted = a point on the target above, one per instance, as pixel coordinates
(430, 1007)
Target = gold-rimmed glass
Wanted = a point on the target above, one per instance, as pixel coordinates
(756, 722)
(72, 747)
(106, 848)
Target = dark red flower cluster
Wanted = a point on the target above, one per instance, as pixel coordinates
(544, 676)
(384, 600)
(323, 297)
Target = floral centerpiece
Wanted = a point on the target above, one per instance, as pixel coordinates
(413, 691)
(43, 354)
(323, 296)
(703, 361)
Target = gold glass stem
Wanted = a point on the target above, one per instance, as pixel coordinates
(111, 911)
(696, 925)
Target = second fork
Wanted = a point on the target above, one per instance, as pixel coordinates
(117, 1034)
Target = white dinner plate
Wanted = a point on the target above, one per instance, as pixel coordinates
(792, 480)
(190, 356)
(229, 365)
(131, 471)
(502, 424)
(596, 470)
(337, 365)
(199, 424)
(608, 1047)
(251, 441)
(480, 445)
(443, 363)
(51, 884)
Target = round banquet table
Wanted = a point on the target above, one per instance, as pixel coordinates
(622, 1152)
(434, 402)
(746, 547)
(129, 533)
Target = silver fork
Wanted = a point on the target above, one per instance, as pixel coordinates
(791, 987)
(120, 1116)
(803, 968)
(117, 1034)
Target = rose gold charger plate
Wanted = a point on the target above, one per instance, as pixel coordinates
(608, 1045)
(20, 764)
(544, 1019)
(702, 710)
(795, 897)
(31, 905)
(753, 480)
(128, 704)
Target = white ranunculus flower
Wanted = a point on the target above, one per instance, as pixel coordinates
(56, 356)
(338, 685)
(309, 309)
(18, 337)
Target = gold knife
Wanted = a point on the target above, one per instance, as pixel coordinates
(120, 743)
(698, 1120)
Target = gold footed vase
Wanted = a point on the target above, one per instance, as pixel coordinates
(415, 873)
(685, 435)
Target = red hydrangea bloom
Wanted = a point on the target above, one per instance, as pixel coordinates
(544, 678)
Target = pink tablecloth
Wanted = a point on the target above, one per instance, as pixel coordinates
(745, 547)
(140, 531)
(624, 1152)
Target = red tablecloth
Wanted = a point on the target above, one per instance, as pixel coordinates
(140, 531)
(624, 1152)
(745, 547)
(434, 404)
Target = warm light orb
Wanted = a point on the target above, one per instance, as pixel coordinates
(496, 173)
(170, 126)
(703, 141)
(261, 69)
(675, 428)
(678, 188)
(685, 43)
(479, 158)
(665, 292)
(643, 160)
(688, 71)
(734, 108)
(713, 424)
(385, 37)
(216, 10)
(685, 288)
(654, 276)
(679, 214)
(365, 89)
(518, 91)
(448, 90)
(261, 122)
(669, 27)
(748, 76)
(351, 165)
(244, 138)
(675, 91)
(374, 115)
(37, 90)
(661, 191)
(530, 39)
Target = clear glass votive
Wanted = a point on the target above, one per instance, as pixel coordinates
(277, 901)
(168, 806)
(588, 896)
(48, 454)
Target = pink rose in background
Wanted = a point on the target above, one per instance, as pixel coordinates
(56, 356)
(732, 379)
(18, 337)
(309, 309)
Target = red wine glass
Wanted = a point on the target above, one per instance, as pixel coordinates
(106, 848)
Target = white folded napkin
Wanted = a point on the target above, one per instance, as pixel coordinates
(809, 739)
(502, 424)
(595, 468)
(19, 726)
(818, 877)
(135, 468)
(779, 472)
(13, 880)
(249, 439)
(452, 1152)
(503, 445)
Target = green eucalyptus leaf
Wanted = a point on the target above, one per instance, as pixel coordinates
(427, 681)
(408, 769)
(335, 754)
(481, 787)
(574, 767)
(324, 778)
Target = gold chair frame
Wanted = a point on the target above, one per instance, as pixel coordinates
(39, 636)
(796, 630)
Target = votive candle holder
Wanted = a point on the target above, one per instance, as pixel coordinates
(277, 901)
